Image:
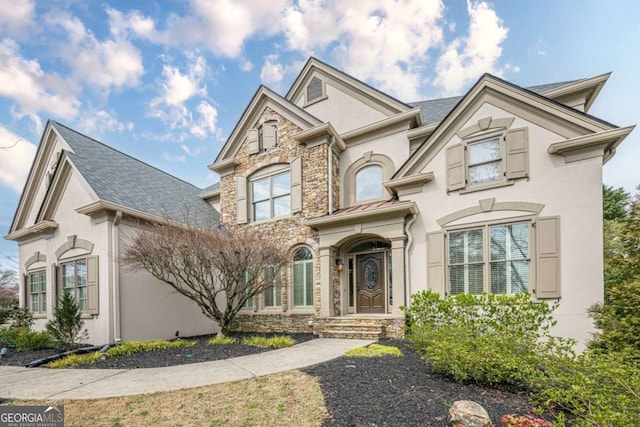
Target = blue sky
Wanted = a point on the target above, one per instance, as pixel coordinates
(167, 81)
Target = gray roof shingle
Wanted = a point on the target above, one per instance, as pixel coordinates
(121, 179)
(435, 110)
(213, 187)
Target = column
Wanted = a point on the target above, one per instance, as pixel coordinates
(397, 266)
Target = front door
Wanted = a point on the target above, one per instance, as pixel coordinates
(370, 283)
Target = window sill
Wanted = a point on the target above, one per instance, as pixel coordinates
(266, 221)
(39, 315)
(489, 186)
(302, 310)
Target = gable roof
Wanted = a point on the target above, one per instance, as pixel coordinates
(495, 84)
(435, 110)
(262, 98)
(381, 99)
(121, 181)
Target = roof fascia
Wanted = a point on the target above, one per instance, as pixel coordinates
(357, 86)
(592, 86)
(209, 195)
(489, 83)
(37, 228)
(98, 207)
(314, 133)
(56, 188)
(413, 117)
(604, 142)
(36, 173)
(264, 97)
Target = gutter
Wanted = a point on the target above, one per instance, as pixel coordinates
(116, 276)
(407, 266)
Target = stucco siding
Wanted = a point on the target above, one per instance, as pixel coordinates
(571, 191)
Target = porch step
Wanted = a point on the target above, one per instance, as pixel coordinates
(359, 328)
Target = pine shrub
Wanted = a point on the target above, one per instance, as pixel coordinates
(66, 326)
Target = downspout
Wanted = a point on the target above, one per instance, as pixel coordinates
(116, 276)
(407, 248)
(330, 167)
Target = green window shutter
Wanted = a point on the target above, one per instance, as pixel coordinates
(241, 196)
(455, 167)
(435, 261)
(253, 145)
(296, 185)
(548, 248)
(517, 147)
(269, 136)
(92, 285)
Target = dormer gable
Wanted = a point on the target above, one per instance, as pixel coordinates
(260, 136)
(329, 93)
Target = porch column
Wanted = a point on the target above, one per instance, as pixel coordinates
(397, 266)
(326, 282)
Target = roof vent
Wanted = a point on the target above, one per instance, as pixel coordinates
(314, 89)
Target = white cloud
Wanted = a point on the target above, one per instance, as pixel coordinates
(24, 81)
(272, 71)
(171, 158)
(207, 125)
(539, 49)
(121, 24)
(15, 161)
(246, 65)
(102, 121)
(466, 59)
(113, 62)
(383, 42)
(17, 16)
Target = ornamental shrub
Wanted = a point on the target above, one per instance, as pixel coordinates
(66, 326)
(486, 338)
(19, 317)
(594, 389)
(23, 339)
(618, 320)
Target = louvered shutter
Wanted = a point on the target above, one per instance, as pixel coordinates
(241, 196)
(253, 145)
(269, 136)
(57, 271)
(92, 285)
(455, 167)
(53, 287)
(296, 185)
(548, 247)
(25, 291)
(517, 150)
(435, 261)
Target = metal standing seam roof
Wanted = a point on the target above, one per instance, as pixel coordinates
(435, 110)
(123, 180)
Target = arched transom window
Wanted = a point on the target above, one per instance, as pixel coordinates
(369, 183)
(302, 277)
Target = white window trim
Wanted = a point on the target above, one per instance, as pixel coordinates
(268, 172)
(486, 137)
(486, 250)
(42, 294)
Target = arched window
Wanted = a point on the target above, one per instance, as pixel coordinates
(369, 183)
(302, 277)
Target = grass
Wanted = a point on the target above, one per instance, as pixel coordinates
(123, 349)
(279, 341)
(374, 350)
(286, 399)
(222, 340)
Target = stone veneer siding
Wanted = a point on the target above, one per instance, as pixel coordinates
(289, 231)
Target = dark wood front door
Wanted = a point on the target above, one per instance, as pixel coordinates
(370, 283)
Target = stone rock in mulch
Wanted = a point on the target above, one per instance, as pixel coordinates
(467, 413)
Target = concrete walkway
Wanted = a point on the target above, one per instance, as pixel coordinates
(43, 383)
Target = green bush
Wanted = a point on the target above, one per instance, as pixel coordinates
(222, 340)
(374, 350)
(19, 317)
(595, 389)
(123, 349)
(279, 341)
(24, 339)
(66, 326)
(618, 320)
(486, 338)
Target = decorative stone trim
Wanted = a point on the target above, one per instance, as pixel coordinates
(72, 243)
(490, 205)
(36, 257)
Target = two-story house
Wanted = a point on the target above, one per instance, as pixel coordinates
(495, 191)
(499, 190)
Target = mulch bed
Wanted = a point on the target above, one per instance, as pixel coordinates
(401, 391)
(201, 352)
(362, 392)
